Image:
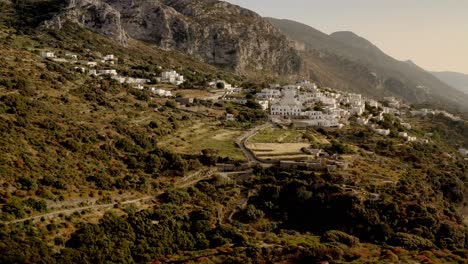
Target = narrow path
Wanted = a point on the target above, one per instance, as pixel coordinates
(241, 142)
(187, 181)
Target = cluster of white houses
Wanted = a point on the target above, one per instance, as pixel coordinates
(303, 105)
(306, 105)
(170, 76)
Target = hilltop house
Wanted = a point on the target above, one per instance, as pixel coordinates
(463, 151)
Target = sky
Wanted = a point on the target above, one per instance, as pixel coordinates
(431, 33)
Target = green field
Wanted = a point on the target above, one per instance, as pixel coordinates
(201, 136)
(272, 135)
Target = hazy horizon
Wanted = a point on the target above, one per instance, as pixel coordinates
(431, 33)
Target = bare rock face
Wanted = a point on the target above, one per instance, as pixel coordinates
(216, 32)
(94, 15)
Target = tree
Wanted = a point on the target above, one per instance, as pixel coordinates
(220, 85)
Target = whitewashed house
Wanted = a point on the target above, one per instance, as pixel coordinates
(406, 125)
(92, 72)
(119, 79)
(264, 104)
(107, 72)
(392, 102)
(230, 117)
(286, 110)
(89, 63)
(161, 92)
(422, 112)
(362, 121)
(383, 132)
(72, 56)
(357, 110)
(403, 135)
(269, 94)
(47, 54)
(139, 87)
(372, 103)
(172, 77)
(463, 152)
(109, 57)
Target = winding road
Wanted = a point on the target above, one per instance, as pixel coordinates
(241, 142)
(187, 181)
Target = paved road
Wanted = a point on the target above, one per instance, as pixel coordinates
(241, 142)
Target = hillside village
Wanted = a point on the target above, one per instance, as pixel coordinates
(298, 105)
(98, 136)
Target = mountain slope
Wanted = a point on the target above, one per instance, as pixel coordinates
(214, 31)
(342, 52)
(454, 79)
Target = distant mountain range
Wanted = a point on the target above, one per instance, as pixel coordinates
(454, 79)
(239, 40)
(358, 65)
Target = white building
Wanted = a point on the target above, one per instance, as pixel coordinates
(47, 54)
(92, 72)
(161, 92)
(422, 112)
(383, 132)
(286, 110)
(230, 117)
(463, 151)
(264, 104)
(172, 77)
(318, 123)
(107, 72)
(411, 139)
(406, 125)
(109, 57)
(139, 87)
(73, 56)
(403, 135)
(89, 63)
(362, 121)
(389, 110)
(269, 94)
(214, 84)
(357, 110)
(392, 102)
(373, 103)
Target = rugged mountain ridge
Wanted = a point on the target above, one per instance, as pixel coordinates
(454, 79)
(238, 39)
(214, 31)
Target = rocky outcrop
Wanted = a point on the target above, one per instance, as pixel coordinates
(92, 14)
(216, 32)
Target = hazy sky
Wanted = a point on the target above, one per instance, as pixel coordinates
(432, 33)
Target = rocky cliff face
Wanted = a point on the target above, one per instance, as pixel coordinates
(93, 14)
(214, 31)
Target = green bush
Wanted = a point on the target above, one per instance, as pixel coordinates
(339, 237)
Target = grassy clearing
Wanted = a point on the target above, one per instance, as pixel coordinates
(199, 136)
(271, 135)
